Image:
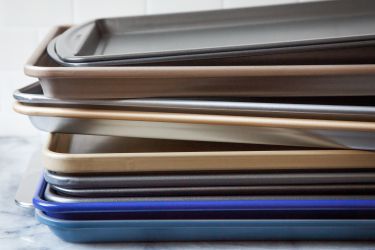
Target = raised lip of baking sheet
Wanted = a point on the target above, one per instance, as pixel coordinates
(33, 94)
(303, 15)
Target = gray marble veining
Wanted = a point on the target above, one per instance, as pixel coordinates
(19, 229)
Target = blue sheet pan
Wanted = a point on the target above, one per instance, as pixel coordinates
(291, 207)
(198, 230)
(214, 215)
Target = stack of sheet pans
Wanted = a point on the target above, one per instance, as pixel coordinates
(242, 124)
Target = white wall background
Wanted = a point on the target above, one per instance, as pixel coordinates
(24, 23)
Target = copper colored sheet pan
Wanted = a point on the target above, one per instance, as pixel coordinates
(251, 79)
(89, 154)
(201, 127)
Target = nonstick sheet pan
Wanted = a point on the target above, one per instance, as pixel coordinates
(324, 79)
(216, 34)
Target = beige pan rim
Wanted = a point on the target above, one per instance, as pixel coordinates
(56, 158)
(33, 69)
(194, 118)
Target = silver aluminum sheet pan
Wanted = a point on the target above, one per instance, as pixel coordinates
(200, 132)
(362, 189)
(215, 34)
(208, 179)
(349, 108)
(200, 127)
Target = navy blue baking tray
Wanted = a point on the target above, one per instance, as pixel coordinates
(203, 229)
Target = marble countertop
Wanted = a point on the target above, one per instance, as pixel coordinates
(19, 229)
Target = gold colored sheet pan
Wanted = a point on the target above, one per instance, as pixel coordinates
(87, 154)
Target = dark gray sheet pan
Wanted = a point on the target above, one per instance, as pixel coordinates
(350, 108)
(217, 178)
(354, 52)
(354, 78)
(362, 189)
(216, 34)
